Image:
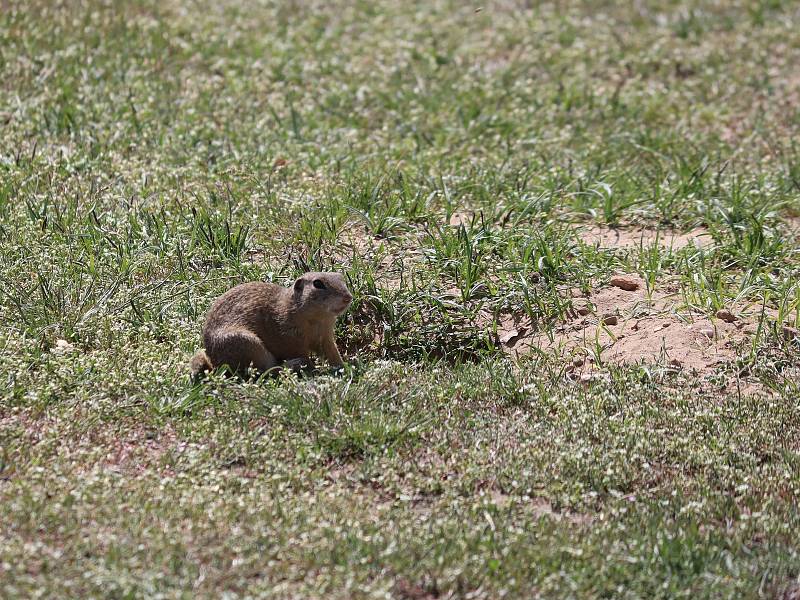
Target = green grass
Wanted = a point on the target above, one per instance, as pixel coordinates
(154, 154)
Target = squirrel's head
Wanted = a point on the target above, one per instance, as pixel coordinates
(325, 292)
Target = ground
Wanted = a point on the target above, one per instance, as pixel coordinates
(513, 422)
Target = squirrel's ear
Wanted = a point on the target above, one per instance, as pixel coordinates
(298, 284)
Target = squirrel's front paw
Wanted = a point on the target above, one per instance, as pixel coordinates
(298, 364)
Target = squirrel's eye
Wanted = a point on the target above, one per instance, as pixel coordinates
(318, 284)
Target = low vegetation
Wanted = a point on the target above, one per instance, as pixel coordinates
(510, 424)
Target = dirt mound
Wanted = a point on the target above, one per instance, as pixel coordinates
(620, 326)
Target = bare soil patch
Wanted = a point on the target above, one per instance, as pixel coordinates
(620, 326)
(461, 217)
(389, 257)
(634, 237)
(138, 450)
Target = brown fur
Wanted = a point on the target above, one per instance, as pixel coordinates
(260, 325)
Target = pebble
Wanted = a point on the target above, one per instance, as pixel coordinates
(790, 333)
(610, 319)
(509, 337)
(725, 315)
(626, 282)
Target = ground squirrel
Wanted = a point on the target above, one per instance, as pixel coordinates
(260, 324)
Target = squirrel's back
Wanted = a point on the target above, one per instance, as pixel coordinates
(246, 304)
(257, 306)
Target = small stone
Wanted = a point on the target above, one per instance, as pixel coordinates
(510, 338)
(584, 310)
(610, 319)
(790, 333)
(577, 361)
(626, 282)
(675, 363)
(725, 315)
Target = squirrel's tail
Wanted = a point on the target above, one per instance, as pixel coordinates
(199, 365)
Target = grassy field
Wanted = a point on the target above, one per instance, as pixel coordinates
(509, 425)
